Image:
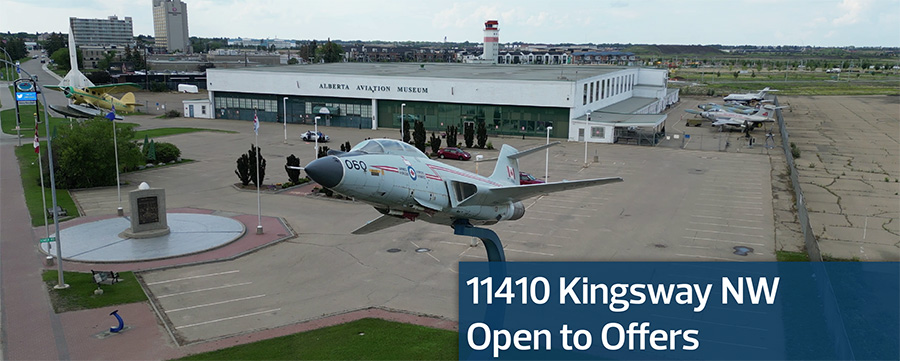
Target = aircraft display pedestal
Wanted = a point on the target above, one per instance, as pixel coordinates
(491, 241)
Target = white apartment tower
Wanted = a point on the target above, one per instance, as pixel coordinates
(170, 26)
(111, 31)
(491, 41)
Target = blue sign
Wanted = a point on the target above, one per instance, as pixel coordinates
(679, 310)
(26, 96)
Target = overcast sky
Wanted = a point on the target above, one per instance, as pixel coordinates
(727, 22)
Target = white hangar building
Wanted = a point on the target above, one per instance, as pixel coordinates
(508, 99)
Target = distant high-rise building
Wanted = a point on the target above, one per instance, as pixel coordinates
(491, 41)
(103, 32)
(170, 26)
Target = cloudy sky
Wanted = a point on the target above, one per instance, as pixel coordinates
(727, 22)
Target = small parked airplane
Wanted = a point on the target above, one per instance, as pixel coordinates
(404, 185)
(89, 100)
(749, 97)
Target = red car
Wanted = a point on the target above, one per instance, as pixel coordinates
(525, 178)
(453, 153)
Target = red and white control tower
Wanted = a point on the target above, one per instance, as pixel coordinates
(491, 41)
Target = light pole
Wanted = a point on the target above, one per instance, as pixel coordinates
(317, 137)
(547, 162)
(61, 284)
(402, 122)
(119, 210)
(284, 104)
(587, 129)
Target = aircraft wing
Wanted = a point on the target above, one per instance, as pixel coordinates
(520, 192)
(377, 224)
(727, 121)
(115, 88)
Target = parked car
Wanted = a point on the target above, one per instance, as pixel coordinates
(453, 153)
(311, 136)
(525, 178)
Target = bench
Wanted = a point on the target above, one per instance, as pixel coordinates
(105, 277)
(60, 210)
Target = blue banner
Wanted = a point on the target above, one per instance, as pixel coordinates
(679, 310)
(26, 96)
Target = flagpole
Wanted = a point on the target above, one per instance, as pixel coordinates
(259, 227)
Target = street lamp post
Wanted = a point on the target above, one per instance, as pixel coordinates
(587, 129)
(317, 137)
(402, 122)
(61, 284)
(547, 161)
(284, 104)
(119, 210)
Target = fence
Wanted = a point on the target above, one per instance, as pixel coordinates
(834, 321)
(809, 238)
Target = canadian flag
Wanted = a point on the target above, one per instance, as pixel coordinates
(37, 143)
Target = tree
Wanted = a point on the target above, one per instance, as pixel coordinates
(308, 51)
(54, 42)
(108, 58)
(61, 59)
(243, 169)
(293, 174)
(469, 134)
(15, 47)
(405, 132)
(419, 135)
(255, 156)
(84, 155)
(735, 74)
(293, 61)
(451, 136)
(435, 143)
(481, 135)
(330, 52)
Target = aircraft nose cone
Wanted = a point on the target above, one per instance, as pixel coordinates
(327, 171)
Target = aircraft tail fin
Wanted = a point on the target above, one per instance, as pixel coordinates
(767, 111)
(507, 169)
(128, 99)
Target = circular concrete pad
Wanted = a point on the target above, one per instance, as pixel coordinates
(190, 233)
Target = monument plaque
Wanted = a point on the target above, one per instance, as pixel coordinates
(148, 213)
(148, 210)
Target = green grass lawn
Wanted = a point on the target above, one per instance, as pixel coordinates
(787, 256)
(366, 339)
(8, 123)
(80, 294)
(161, 132)
(31, 182)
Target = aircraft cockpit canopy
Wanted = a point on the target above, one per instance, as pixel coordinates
(387, 146)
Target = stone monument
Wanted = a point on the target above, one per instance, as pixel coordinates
(148, 213)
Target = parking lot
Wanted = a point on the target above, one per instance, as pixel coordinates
(675, 205)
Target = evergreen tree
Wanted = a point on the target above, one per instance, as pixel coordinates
(419, 136)
(469, 134)
(481, 135)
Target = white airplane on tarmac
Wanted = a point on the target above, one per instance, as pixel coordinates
(749, 97)
(404, 185)
(721, 117)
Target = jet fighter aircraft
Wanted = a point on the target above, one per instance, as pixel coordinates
(720, 117)
(404, 185)
(749, 97)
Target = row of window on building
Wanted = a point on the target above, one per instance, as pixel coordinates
(605, 88)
